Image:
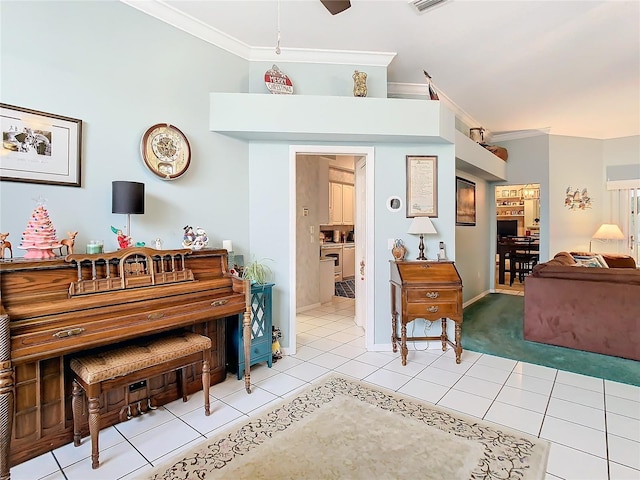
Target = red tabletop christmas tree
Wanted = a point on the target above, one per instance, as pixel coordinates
(39, 239)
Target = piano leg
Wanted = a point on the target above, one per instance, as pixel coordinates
(6, 397)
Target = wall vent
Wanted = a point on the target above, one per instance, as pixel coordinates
(422, 6)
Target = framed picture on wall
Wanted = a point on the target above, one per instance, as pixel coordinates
(422, 186)
(465, 202)
(39, 147)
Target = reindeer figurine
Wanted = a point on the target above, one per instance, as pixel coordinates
(4, 244)
(68, 242)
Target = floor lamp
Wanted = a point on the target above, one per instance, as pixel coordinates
(127, 198)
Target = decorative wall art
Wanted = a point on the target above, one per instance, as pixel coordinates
(39, 147)
(465, 202)
(577, 199)
(422, 186)
(278, 82)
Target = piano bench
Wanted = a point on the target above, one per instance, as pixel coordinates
(124, 365)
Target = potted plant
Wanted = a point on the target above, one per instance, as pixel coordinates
(257, 272)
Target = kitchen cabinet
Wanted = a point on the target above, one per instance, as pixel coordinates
(341, 200)
(348, 261)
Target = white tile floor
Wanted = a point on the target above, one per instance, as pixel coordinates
(593, 424)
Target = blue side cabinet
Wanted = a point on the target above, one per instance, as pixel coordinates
(261, 321)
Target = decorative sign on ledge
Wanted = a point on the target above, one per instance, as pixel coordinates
(132, 267)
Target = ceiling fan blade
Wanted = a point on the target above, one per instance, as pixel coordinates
(336, 6)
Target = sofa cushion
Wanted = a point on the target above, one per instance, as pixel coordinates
(594, 260)
(614, 260)
(562, 258)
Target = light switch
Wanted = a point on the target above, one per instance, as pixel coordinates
(305, 212)
(311, 229)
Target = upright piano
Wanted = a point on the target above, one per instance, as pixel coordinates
(52, 308)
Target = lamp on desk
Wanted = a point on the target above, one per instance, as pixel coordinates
(127, 197)
(607, 231)
(421, 226)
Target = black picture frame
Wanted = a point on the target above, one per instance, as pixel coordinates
(40, 147)
(465, 202)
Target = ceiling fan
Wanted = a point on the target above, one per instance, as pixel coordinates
(336, 6)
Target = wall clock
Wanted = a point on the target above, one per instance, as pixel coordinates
(165, 151)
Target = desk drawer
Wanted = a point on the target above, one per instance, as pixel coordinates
(433, 310)
(431, 295)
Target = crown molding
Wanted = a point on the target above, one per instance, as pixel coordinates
(191, 25)
(517, 134)
(339, 57)
(166, 13)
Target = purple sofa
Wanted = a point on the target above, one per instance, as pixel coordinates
(591, 309)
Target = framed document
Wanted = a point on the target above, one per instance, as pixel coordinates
(422, 186)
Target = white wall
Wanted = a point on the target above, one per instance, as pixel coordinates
(575, 162)
(121, 71)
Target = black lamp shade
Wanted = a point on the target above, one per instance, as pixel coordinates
(127, 197)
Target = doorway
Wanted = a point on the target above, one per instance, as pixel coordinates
(308, 237)
(517, 234)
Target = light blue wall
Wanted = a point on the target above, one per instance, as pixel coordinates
(556, 162)
(528, 162)
(121, 71)
(321, 79)
(473, 243)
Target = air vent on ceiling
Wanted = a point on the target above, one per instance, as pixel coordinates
(423, 5)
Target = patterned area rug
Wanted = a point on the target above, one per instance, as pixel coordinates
(342, 428)
(346, 289)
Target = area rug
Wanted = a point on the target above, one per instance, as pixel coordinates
(494, 325)
(347, 288)
(340, 428)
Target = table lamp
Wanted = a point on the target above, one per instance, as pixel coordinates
(607, 231)
(421, 226)
(128, 198)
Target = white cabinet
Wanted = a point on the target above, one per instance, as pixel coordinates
(348, 261)
(341, 199)
(347, 204)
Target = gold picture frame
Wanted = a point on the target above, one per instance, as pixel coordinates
(422, 186)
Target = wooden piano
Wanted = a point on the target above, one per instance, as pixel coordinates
(55, 307)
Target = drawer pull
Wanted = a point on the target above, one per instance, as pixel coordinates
(432, 309)
(68, 333)
(155, 316)
(433, 294)
(218, 303)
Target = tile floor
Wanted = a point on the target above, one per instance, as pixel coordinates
(593, 424)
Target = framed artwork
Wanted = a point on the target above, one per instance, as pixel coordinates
(465, 202)
(39, 147)
(422, 186)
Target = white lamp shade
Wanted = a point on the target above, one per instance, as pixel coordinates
(608, 231)
(421, 225)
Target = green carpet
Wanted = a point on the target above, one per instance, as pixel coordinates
(494, 325)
